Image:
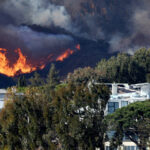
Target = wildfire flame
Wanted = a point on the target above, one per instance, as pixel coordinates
(78, 47)
(67, 53)
(21, 65)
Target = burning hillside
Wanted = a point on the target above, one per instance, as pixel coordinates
(48, 30)
(20, 66)
(23, 65)
(67, 53)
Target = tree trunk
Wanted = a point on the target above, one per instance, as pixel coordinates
(102, 147)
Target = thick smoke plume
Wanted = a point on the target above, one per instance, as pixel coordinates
(138, 34)
(36, 44)
(15, 18)
(39, 12)
(124, 24)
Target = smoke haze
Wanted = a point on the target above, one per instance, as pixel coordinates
(138, 34)
(39, 12)
(15, 16)
(123, 24)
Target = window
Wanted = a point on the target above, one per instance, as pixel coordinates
(2, 96)
(112, 106)
(108, 148)
(110, 134)
(130, 147)
(125, 138)
(124, 103)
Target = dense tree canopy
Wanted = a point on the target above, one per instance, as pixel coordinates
(70, 115)
(84, 75)
(21, 82)
(52, 77)
(126, 68)
(133, 122)
(79, 116)
(26, 122)
(36, 80)
(142, 57)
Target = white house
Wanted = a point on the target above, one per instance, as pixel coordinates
(122, 95)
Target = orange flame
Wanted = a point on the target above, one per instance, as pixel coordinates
(21, 65)
(78, 47)
(66, 54)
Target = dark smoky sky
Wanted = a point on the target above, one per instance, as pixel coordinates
(14, 13)
(124, 24)
(138, 34)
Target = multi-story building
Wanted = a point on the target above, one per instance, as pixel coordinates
(122, 95)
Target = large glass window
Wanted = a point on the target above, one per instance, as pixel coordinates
(124, 103)
(107, 148)
(110, 134)
(2, 96)
(130, 148)
(112, 106)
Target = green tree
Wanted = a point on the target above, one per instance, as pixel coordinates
(136, 73)
(22, 82)
(84, 75)
(53, 78)
(133, 122)
(116, 68)
(26, 122)
(79, 116)
(148, 77)
(142, 57)
(36, 80)
(122, 68)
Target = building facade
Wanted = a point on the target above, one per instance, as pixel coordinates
(122, 95)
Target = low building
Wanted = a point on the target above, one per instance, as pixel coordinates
(124, 94)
